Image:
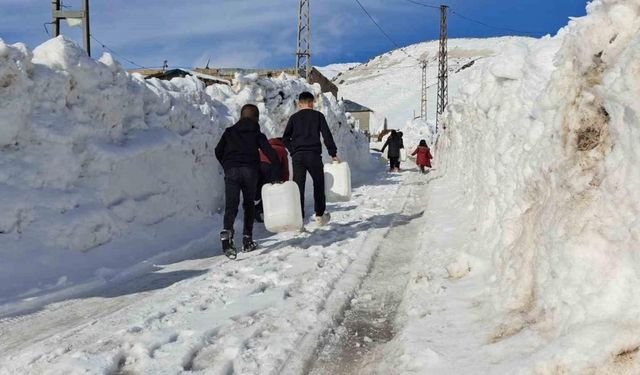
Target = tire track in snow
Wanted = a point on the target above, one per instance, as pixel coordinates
(368, 321)
(337, 305)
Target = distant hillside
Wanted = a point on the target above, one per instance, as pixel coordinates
(390, 83)
(330, 71)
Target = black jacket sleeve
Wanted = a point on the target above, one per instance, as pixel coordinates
(220, 147)
(328, 138)
(386, 144)
(264, 145)
(288, 132)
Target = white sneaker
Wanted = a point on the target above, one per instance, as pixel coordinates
(323, 220)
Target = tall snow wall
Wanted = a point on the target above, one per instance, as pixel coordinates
(544, 141)
(100, 169)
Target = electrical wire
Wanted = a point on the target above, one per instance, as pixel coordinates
(104, 46)
(423, 4)
(45, 27)
(384, 32)
(385, 68)
(540, 33)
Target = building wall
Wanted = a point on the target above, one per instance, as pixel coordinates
(362, 120)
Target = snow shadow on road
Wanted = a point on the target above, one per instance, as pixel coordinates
(155, 279)
(151, 281)
(340, 232)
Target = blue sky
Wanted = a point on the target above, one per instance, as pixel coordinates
(261, 33)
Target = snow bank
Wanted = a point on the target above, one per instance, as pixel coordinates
(100, 169)
(543, 142)
(417, 130)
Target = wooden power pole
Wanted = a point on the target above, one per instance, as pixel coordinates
(58, 14)
(443, 66)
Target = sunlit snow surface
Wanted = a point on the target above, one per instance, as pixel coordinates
(100, 169)
(527, 261)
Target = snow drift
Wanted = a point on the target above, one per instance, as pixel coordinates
(543, 141)
(100, 169)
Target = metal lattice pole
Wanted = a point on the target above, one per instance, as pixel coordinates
(423, 99)
(443, 66)
(303, 50)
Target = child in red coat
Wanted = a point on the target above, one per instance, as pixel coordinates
(266, 172)
(423, 158)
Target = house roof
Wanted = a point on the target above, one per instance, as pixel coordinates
(351, 106)
(184, 72)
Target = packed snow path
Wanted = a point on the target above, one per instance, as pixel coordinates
(265, 313)
(370, 319)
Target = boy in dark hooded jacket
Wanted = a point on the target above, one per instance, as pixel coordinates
(237, 151)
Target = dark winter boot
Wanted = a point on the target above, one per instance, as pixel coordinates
(248, 244)
(226, 237)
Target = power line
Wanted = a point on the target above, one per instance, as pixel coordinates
(477, 21)
(423, 4)
(384, 32)
(377, 25)
(384, 67)
(496, 27)
(46, 30)
(117, 54)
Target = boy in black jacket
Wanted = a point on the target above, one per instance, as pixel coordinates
(237, 151)
(302, 138)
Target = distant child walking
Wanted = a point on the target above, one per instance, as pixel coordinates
(423, 156)
(394, 142)
(237, 151)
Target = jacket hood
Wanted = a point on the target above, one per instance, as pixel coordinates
(247, 125)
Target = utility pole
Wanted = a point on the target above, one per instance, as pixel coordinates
(303, 50)
(58, 14)
(443, 66)
(423, 100)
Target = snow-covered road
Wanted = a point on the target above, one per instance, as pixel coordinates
(370, 319)
(265, 313)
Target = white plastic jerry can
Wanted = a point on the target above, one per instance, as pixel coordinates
(337, 182)
(281, 204)
(403, 154)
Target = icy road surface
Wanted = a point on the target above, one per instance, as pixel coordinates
(267, 312)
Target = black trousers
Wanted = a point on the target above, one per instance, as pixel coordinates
(265, 176)
(310, 162)
(394, 162)
(240, 180)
